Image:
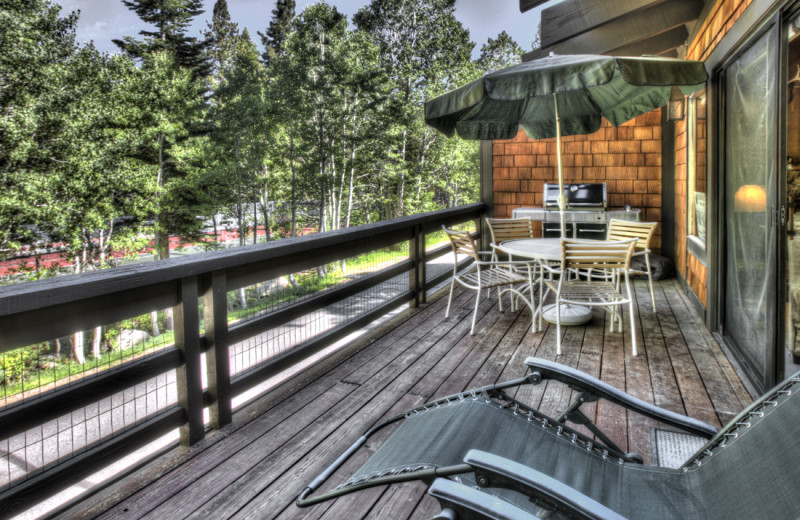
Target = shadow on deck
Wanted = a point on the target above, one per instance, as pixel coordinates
(256, 468)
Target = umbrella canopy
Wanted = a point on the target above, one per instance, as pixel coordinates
(588, 87)
(561, 95)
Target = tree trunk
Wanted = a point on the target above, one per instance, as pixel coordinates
(402, 184)
(154, 323)
(102, 248)
(216, 232)
(336, 195)
(322, 197)
(77, 347)
(161, 235)
(265, 213)
(255, 221)
(294, 173)
(98, 335)
(352, 171)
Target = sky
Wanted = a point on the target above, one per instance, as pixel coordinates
(104, 20)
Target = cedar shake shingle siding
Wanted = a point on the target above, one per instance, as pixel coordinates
(720, 20)
(626, 158)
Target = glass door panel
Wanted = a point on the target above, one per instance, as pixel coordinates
(750, 145)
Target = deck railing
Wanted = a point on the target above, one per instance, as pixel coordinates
(77, 428)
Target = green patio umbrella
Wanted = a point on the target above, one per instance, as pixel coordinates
(561, 95)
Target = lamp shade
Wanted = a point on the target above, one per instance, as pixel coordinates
(750, 198)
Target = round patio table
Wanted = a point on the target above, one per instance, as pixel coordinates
(546, 250)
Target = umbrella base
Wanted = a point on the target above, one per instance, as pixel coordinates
(570, 314)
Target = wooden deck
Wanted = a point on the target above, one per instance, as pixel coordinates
(256, 468)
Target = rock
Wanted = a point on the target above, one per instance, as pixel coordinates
(130, 338)
(264, 289)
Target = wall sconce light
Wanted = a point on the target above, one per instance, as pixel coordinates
(676, 107)
(701, 105)
(750, 198)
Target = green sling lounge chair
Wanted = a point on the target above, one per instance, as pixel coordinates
(485, 455)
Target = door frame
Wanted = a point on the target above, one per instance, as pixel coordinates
(760, 17)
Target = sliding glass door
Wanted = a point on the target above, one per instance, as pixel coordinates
(749, 226)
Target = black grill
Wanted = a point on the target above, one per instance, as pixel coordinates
(584, 201)
(579, 196)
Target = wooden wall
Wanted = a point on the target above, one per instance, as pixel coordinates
(626, 158)
(720, 20)
(722, 17)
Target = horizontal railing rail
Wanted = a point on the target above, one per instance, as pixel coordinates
(40, 311)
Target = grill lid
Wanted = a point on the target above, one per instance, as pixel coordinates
(584, 196)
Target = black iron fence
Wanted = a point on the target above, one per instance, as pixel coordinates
(236, 318)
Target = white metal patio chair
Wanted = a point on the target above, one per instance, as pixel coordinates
(613, 257)
(487, 274)
(643, 232)
(504, 229)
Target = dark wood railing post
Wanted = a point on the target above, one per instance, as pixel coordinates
(187, 340)
(215, 314)
(416, 253)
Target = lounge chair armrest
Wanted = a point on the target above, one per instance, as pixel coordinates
(584, 382)
(495, 471)
(465, 503)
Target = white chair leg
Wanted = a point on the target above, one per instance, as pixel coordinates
(650, 280)
(475, 312)
(500, 299)
(630, 311)
(533, 317)
(541, 298)
(558, 327)
(633, 330)
(450, 299)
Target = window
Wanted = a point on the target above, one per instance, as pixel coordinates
(696, 166)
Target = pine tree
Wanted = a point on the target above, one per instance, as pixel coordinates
(168, 98)
(274, 40)
(222, 37)
(171, 20)
(499, 53)
(241, 136)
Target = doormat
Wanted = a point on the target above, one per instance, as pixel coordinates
(672, 449)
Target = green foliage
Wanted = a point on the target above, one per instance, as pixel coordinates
(499, 53)
(28, 368)
(425, 52)
(14, 364)
(171, 20)
(274, 38)
(63, 178)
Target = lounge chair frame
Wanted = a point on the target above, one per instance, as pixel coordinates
(588, 388)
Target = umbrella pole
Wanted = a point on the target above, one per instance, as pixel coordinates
(575, 314)
(562, 199)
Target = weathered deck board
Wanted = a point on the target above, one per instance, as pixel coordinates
(257, 467)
